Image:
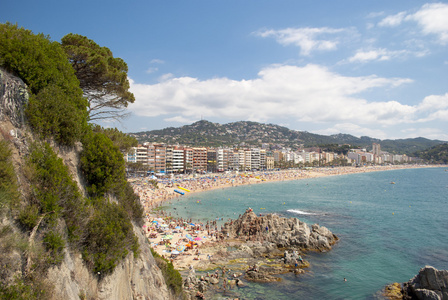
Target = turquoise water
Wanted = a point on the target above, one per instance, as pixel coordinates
(387, 231)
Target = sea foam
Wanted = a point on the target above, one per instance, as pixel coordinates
(300, 212)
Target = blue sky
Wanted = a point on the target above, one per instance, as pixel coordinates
(367, 68)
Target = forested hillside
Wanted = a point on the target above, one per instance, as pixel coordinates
(437, 154)
(243, 133)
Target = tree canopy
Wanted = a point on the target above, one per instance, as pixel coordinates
(102, 77)
(123, 141)
(56, 106)
(436, 154)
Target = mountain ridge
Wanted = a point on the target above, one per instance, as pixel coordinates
(248, 133)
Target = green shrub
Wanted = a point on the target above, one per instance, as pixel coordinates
(52, 114)
(109, 238)
(8, 181)
(56, 107)
(23, 289)
(172, 277)
(123, 141)
(55, 192)
(55, 244)
(130, 202)
(102, 164)
(28, 216)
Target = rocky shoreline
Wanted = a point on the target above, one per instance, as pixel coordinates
(428, 284)
(256, 248)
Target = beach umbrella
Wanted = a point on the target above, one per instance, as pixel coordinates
(177, 227)
(167, 237)
(197, 238)
(163, 225)
(180, 248)
(154, 221)
(174, 252)
(188, 236)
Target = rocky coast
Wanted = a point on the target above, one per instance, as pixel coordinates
(257, 248)
(428, 284)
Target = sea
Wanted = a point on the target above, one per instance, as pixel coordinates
(390, 224)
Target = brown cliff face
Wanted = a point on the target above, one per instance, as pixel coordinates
(133, 278)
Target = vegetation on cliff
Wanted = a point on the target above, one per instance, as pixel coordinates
(56, 106)
(50, 212)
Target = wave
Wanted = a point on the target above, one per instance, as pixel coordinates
(300, 212)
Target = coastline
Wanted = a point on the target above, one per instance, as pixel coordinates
(207, 237)
(152, 197)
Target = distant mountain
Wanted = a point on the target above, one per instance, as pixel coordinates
(244, 133)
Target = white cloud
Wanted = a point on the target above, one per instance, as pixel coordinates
(432, 18)
(152, 70)
(364, 56)
(157, 61)
(427, 132)
(309, 94)
(382, 54)
(308, 39)
(434, 102)
(180, 119)
(392, 21)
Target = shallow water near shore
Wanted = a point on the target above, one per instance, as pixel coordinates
(387, 231)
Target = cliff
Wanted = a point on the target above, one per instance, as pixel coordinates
(133, 278)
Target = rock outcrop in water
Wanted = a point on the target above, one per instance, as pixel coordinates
(428, 284)
(261, 247)
(283, 232)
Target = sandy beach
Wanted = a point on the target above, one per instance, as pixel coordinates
(188, 244)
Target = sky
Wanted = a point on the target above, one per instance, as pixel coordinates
(366, 68)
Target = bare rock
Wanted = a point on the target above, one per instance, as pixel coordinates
(429, 283)
(13, 98)
(282, 232)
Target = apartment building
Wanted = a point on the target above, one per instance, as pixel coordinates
(188, 159)
(178, 160)
(255, 159)
(212, 161)
(157, 158)
(141, 153)
(200, 159)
